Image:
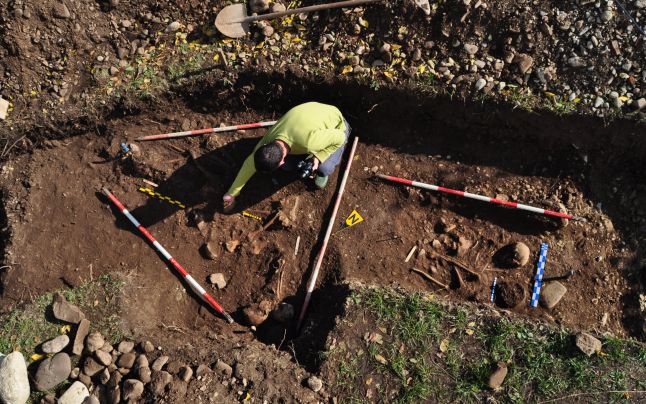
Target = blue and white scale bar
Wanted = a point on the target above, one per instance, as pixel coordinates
(539, 275)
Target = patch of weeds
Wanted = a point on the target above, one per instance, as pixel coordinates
(24, 329)
(447, 354)
(521, 97)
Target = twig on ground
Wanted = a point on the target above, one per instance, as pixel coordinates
(456, 263)
(173, 328)
(430, 278)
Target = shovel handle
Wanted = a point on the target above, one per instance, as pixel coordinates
(308, 9)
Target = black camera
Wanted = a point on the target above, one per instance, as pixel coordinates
(305, 168)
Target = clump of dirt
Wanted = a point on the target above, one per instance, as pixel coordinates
(510, 295)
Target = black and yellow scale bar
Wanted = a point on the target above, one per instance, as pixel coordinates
(157, 195)
(247, 214)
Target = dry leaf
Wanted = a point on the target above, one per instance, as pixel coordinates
(444, 345)
(363, 22)
(346, 70)
(380, 359)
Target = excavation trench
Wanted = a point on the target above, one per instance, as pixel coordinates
(63, 233)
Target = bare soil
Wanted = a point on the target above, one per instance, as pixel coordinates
(62, 232)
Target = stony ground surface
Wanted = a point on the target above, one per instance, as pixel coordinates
(585, 55)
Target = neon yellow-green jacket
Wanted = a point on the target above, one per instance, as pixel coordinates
(310, 128)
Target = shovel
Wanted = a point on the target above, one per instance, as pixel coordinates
(233, 21)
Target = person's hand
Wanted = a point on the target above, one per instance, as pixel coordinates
(228, 202)
(315, 166)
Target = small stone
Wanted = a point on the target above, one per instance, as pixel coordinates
(640, 103)
(223, 368)
(470, 49)
(576, 61)
(173, 26)
(14, 380)
(277, 7)
(524, 62)
(463, 246)
(231, 245)
(102, 357)
(259, 6)
(146, 346)
(55, 345)
(94, 341)
(91, 366)
(125, 346)
(159, 382)
(132, 390)
(159, 363)
(640, 3)
(126, 23)
(52, 371)
(480, 83)
(107, 347)
(498, 376)
(126, 360)
(606, 15)
(218, 280)
(202, 370)
(61, 11)
(210, 249)
(65, 311)
(74, 374)
(551, 294)
(82, 331)
(115, 379)
(185, 373)
(315, 384)
(75, 394)
(588, 344)
(268, 30)
(256, 314)
(598, 102)
(283, 313)
(4, 108)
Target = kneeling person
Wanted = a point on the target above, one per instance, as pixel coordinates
(312, 134)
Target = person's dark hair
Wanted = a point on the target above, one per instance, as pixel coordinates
(268, 157)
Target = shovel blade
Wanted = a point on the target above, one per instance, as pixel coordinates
(230, 22)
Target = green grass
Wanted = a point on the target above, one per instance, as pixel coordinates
(25, 328)
(447, 354)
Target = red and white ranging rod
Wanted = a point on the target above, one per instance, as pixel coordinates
(188, 278)
(311, 283)
(480, 197)
(206, 131)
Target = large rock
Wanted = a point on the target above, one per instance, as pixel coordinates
(94, 341)
(132, 390)
(315, 383)
(91, 366)
(75, 394)
(65, 311)
(14, 381)
(126, 360)
(125, 346)
(103, 357)
(513, 255)
(52, 371)
(218, 280)
(551, 294)
(223, 368)
(159, 382)
(55, 345)
(159, 363)
(588, 344)
(79, 338)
